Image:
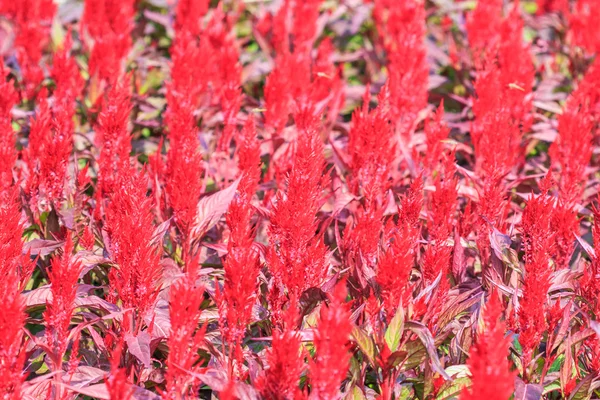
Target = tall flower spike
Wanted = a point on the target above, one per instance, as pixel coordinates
(330, 365)
(108, 24)
(285, 360)
(12, 348)
(538, 241)
(488, 359)
(403, 26)
(297, 255)
(63, 276)
(185, 339)
(130, 228)
(112, 136)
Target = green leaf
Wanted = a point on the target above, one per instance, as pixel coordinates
(365, 343)
(394, 331)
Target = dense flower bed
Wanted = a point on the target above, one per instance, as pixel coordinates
(299, 199)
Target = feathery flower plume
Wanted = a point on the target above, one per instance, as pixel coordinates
(112, 137)
(403, 28)
(108, 24)
(186, 338)
(130, 228)
(63, 276)
(488, 359)
(538, 241)
(297, 255)
(330, 365)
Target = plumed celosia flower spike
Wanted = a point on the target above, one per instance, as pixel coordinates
(117, 385)
(184, 169)
(443, 201)
(66, 75)
(436, 132)
(297, 255)
(285, 360)
(237, 298)
(483, 26)
(8, 153)
(189, 15)
(129, 224)
(395, 265)
(112, 136)
(50, 146)
(491, 377)
(518, 70)
(63, 275)
(108, 23)
(495, 133)
(583, 27)
(572, 150)
(538, 241)
(12, 325)
(565, 225)
(402, 24)
(328, 79)
(185, 298)
(248, 155)
(32, 20)
(287, 82)
(371, 146)
(188, 78)
(330, 364)
(304, 28)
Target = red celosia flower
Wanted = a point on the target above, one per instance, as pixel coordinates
(112, 136)
(189, 16)
(572, 149)
(371, 146)
(241, 267)
(8, 153)
(488, 363)
(185, 338)
(443, 201)
(483, 25)
(329, 367)
(436, 131)
(32, 20)
(537, 240)
(565, 225)
(285, 361)
(116, 382)
(108, 24)
(402, 25)
(63, 275)
(394, 267)
(12, 325)
(583, 27)
(248, 154)
(129, 225)
(297, 255)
